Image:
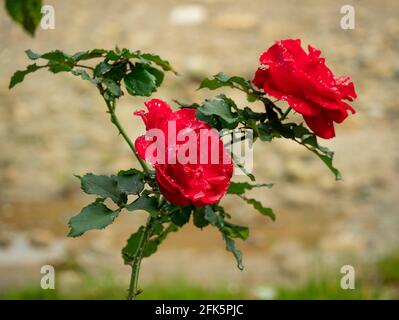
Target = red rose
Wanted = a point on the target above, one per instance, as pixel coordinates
(199, 181)
(307, 84)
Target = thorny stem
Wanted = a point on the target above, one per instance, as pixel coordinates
(133, 291)
(136, 263)
(85, 67)
(265, 100)
(271, 106)
(305, 145)
(284, 116)
(161, 200)
(115, 121)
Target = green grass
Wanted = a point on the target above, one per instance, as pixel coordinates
(183, 290)
(109, 289)
(388, 269)
(88, 289)
(326, 288)
(381, 281)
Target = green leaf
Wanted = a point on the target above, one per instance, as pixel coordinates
(130, 181)
(86, 55)
(19, 76)
(58, 56)
(212, 217)
(268, 130)
(133, 243)
(81, 73)
(220, 108)
(153, 244)
(94, 216)
(132, 246)
(212, 121)
(241, 187)
(104, 186)
(211, 84)
(248, 113)
(186, 105)
(227, 228)
(140, 82)
(222, 80)
(309, 139)
(157, 228)
(234, 80)
(251, 97)
(265, 132)
(112, 55)
(328, 160)
(101, 68)
(242, 168)
(25, 12)
(259, 207)
(31, 55)
(58, 60)
(181, 216)
(127, 54)
(301, 132)
(164, 64)
(146, 203)
(279, 129)
(150, 248)
(113, 87)
(158, 74)
(171, 228)
(117, 71)
(59, 67)
(130, 250)
(235, 231)
(199, 218)
(230, 246)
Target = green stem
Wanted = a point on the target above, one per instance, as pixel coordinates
(260, 96)
(115, 121)
(161, 200)
(284, 116)
(138, 257)
(85, 67)
(136, 263)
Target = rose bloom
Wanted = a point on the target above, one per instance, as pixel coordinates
(302, 79)
(198, 180)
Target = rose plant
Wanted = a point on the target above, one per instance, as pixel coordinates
(174, 187)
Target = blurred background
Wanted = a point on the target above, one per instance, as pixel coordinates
(55, 126)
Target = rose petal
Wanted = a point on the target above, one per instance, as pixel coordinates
(259, 78)
(321, 125)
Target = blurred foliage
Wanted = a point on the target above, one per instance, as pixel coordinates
(27, 13)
